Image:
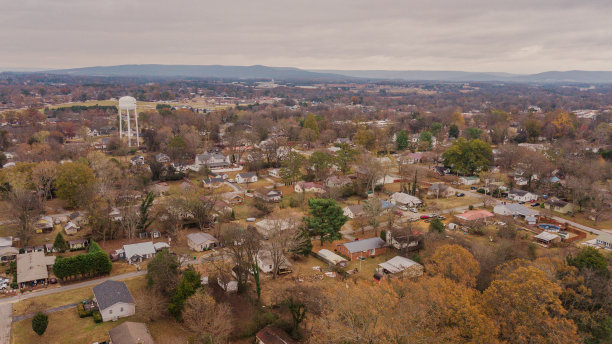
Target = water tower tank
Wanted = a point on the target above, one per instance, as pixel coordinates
(127, 103)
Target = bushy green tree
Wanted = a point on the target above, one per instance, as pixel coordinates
(325, 219)
(468, 157)
(39, 323)
(453, 131)
(72, 179)
(436, 226)
(589, 258)
(402, 140)
(190, 282)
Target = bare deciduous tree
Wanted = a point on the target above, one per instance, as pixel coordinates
(211, 321)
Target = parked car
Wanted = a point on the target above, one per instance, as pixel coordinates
(460, 194)
(535, 204)
(424, 217)
(473, 188)
(441, 217)
(52, 280)
(414, 210)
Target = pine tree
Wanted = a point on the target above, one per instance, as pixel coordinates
(60, 243)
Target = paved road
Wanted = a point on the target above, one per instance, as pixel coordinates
(6, 312)
(235, 187)
(89, 283)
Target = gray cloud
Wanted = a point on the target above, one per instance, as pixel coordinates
(472, 35)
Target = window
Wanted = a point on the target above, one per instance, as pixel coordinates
(110, 311)
(121, 309)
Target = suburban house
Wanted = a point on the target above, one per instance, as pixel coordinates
(246, 177)
(371, 247)
(518, 195)
(212, 160)
(547, 238)
(514, 210)
(71, 228)
(404, 240)
(33, 268)
(353, 211)
(114, 300)
(134, 253)
(231, 197)
(440, 190)
(411, 158)
(559, 206)
(162, 158)
(212, 183)
(44, 224)
(268, 195)
(402, 198)
(137, 160)
(331, 258)
(265, 262)
(201, 241)
(309, 187)
(604, 240)
(401, 266)
(473, 216)
(77, 244)
(129, 333)
(275, 172)
(267, 226)
(115, 214)
(469, 180)
(273, 335)
(8, 253)
(6, 241)
(78, 218)
(337, 182)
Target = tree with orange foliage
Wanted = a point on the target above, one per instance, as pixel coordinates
(455, 263)
(526, 306)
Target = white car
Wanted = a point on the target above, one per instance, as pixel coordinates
(402, 208)
(414, 210)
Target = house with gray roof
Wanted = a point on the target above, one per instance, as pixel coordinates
(246, 177)
(114, 300)
(514, 209)
(201, 241)
(131, 332)
(212, 160)
(137, 252)
(371, 247)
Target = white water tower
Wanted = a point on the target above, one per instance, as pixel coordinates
(127, 110)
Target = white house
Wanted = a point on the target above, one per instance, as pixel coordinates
(353, 211)
(71, 228)
(114, 300)
(246, 177)
(212, 160)
(137, 252)
(201, 241)
(604, 240)
(266, 263)
(521, 196)
(309, 187)
(401, 198)
(469, 180)
(275, 172)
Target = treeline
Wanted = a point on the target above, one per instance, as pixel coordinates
(95, 262)
(80, 108)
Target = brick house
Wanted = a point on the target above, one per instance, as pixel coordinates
(371, 247)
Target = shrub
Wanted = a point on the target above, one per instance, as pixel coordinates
(436, 225)
(39, 323)
(383, 235)
(97, 316)
(82, 312)
(482, 191)
(471, 207)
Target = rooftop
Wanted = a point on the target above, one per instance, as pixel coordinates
(364, 245)
(111, 292)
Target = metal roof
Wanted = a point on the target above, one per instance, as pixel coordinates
(364, 245)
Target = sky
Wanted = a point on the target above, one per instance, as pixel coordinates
(517, 36)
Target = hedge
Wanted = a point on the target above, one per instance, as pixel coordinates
(97, 317)
(95, 262)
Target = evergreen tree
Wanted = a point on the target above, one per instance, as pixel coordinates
(453, 131)
(325, 220)
(60, 243)
(402, 140)
(39, 323)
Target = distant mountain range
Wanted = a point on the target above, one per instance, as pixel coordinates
(295, 74)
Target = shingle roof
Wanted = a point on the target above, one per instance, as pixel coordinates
(364, 245)
(140, 249)
(201, 238)
(130, 333)
(110, 292)
(272, 335)
(246, 174)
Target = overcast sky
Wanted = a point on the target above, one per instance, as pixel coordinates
(520, 36)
